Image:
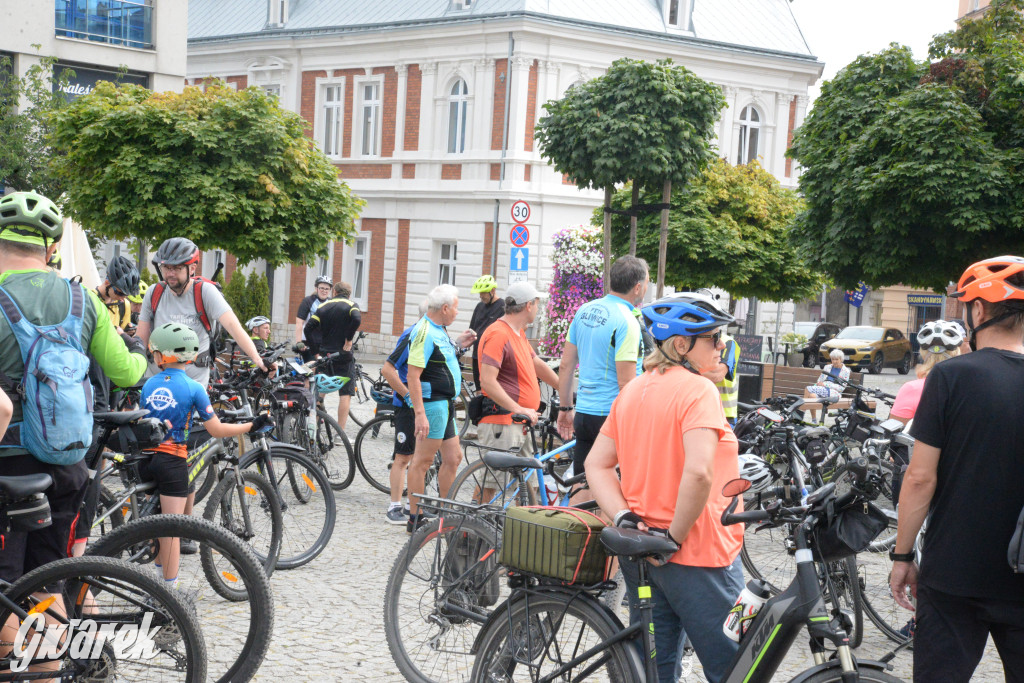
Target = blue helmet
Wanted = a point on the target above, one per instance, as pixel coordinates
(685, 314)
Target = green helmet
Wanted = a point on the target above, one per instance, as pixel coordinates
(484, 283)
(178, 343)
(30, 218)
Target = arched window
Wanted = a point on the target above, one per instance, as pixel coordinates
(457, 104)
(750, 135)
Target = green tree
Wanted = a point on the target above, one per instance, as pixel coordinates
(259, 295)
(729, 227)
(236, 293)
(229, 170)
(25, 154)
(647, 122)
(913, 170)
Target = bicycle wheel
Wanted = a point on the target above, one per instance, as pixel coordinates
(469, 486)
(544, 632)
(835, 675)
(843, 479)
(841, 590)
(113, 593)
(460, 407)
(309, 513)
(874, 569)
(117, 514)
(374, 451)
(237, 633)
(333, 452)
(253, 514)
(767, 554)
(448, 563)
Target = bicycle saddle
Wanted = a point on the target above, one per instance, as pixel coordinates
(635, 543)
(809, 433)
(24, 486)
(116, 419)
(497, 460)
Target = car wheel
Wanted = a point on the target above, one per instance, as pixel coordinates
(877, 363)
(904, 367)
(808, 361)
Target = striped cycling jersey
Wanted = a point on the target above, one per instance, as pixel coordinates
(433, 350)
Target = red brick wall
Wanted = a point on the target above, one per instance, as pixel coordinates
(371, 318)
(296, 290)
(495, 171)
(412, 108)
(408, 170)
(336, 268)
(307, 101)
(358, 171)
(241, 82)
(488, 248)
(401, 277)
(230, 263)
(498, 112)
(531, 107)
(789, 134)
(527, 170)
(389, 106)
(451, 171)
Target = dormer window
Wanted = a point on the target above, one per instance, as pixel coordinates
(462, 4)
(677, 14)
(278, 15)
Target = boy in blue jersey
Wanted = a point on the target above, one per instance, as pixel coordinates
(173, 396)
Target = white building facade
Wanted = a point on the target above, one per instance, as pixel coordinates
(428, 110)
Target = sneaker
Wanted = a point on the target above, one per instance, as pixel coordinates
(397, 516)
(421, 519)
(908, 630)
(189, 546)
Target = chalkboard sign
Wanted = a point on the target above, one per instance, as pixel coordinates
(749, 369)
(750, 347)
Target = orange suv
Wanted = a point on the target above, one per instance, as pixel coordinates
(871, 348)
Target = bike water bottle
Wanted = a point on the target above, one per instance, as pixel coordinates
(748, 604)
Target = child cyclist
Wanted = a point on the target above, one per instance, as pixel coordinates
(173, 396)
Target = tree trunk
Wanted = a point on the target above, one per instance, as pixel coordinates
(666, 193)
(836, 309)
(270, 286)
(607, 238)
(632, 219)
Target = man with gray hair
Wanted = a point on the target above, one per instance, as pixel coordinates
(509, 374)
(434, 380)
(605, 338)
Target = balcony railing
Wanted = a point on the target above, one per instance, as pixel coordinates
(116, 22)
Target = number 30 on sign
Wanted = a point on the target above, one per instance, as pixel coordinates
(520, 211)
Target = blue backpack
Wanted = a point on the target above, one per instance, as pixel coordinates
(55, 393)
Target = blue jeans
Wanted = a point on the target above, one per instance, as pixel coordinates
(693, 600)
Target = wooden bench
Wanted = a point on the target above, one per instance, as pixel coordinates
(779, 380)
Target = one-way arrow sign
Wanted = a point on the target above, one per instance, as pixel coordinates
(519, 259)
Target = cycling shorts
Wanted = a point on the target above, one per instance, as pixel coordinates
(344, 366)
(442, 419)
(170, 472)
(405, 431)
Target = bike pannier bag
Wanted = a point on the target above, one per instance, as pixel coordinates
(30, 514)
(55, 393)
(559, 543)
(301, 397)
(1015, 554)
(849, 528)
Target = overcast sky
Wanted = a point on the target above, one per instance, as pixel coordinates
(840, 30)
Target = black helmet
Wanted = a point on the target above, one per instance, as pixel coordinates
(177, 251)
(123, 276)
(323, 280)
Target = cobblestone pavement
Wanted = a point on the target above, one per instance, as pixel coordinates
(329, 614)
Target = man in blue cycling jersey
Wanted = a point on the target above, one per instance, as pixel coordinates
(434, 379)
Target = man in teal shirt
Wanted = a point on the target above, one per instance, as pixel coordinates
(606, 340)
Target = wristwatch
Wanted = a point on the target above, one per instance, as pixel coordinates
(901, 557)
(565, 409)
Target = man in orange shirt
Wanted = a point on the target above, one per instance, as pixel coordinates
(509, 373)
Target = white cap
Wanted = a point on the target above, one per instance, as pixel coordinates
(521, 292)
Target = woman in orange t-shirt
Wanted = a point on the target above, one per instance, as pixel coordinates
(668, 435)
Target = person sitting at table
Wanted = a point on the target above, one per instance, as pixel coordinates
(827, 386)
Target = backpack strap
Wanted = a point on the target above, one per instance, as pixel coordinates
(14, 316)
(154, 301)
(197, 293)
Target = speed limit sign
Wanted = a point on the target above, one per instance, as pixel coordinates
(520, 211)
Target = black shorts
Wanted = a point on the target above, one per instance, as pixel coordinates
(344, 366)
(587, 427)
(405, 430)
(170, 472)
(21, 551)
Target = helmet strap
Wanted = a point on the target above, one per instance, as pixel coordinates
(684, 363)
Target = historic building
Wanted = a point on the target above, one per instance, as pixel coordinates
(428, 107)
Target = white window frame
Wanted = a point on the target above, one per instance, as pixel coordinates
(461, 104)
(443, 262)
(746, 126)
(682, 11)
(273, 89)
(277, 13)
(375, 124)
(360, 276)
(335, 120)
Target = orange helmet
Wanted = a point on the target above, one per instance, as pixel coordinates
(986, 280)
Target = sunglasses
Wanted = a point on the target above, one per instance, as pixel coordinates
(118, 292)
(715, 338)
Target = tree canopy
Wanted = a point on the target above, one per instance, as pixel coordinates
(229, 170)
(729, 227)
(913, 170)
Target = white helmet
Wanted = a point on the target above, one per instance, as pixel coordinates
(939, 336)
(253, 323)
(755, 470)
